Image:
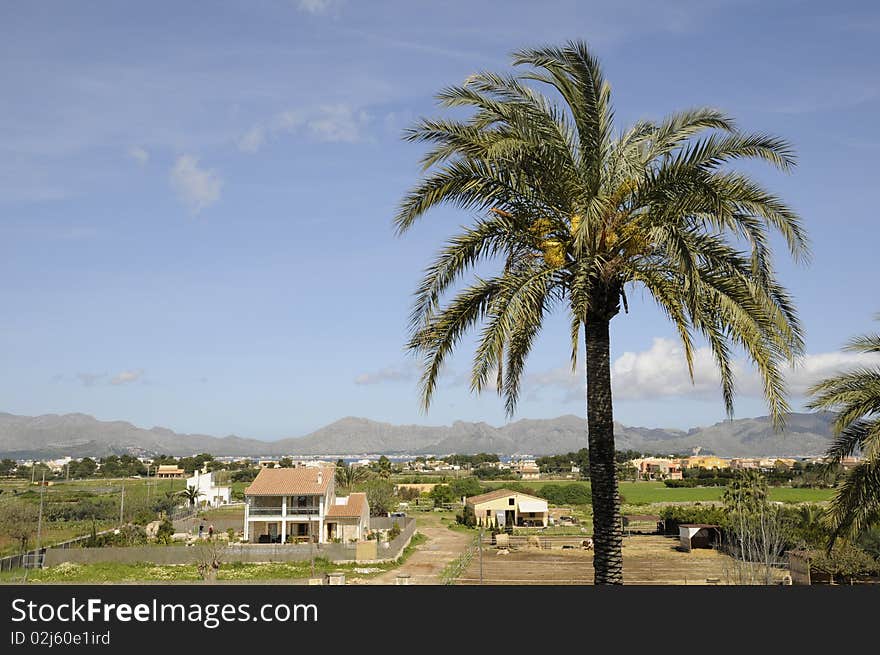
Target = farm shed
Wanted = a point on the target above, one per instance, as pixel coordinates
(505, 507)
(698, 535)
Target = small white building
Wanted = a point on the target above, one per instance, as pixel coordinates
(210, 492)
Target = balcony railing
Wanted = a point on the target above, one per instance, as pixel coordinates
(276, 511)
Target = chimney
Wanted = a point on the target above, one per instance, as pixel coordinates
(320, 476)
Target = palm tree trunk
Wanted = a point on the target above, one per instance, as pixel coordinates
(607, 530)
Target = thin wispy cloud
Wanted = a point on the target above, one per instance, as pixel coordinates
(332, 123)
(138, 154)
(400, 373)
(196, 187)
(101, 379)
(316, 7)
(339, 123)
(252, 140)
(127, 377)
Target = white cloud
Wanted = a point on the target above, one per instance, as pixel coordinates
(140, 155)
(661, 372)
(288, 120)
(252, 140)
(127, 376)
(339, 123)
(816, 367)
(315, 6)
(388, 374)
(196, 187)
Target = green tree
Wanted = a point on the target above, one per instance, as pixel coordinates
(192, 494)
(382, 467)
(575, 214)
(845, 560)
(380, 496)
(442, 494)
(18, 522)
(756, 532)
(855, 396)
(84, 468)
(165, 531)
(348, 476)
(7, 466)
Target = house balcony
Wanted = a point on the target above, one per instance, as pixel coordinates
(256, 510)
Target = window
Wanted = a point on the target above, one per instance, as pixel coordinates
(511, 501)
(488, 513)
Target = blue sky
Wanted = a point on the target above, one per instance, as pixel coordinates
(196, 198)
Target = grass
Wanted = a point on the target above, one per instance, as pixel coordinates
(110, 572)
(646, 493)
(62, 491)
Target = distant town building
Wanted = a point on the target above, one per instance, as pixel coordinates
(170, 471)
(850, 462)
(527, 468)
(658, 468)
(705, 462)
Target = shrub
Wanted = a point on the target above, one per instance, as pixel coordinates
(675, 515)
(565, 494)
(166, 529)
(467, 517)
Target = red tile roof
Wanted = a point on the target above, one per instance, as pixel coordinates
(291, 481)
(354, 507)
(495, 495)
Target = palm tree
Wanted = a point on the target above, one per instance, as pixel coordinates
(855, 396)
(574, 213)
(192, 494)
(348, 476)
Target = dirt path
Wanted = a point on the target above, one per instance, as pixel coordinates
(426, 563)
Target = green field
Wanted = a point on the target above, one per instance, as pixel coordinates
(645, 493)
(137, 494)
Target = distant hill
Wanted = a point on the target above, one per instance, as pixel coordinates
(80, 435)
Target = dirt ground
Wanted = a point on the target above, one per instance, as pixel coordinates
(647, 560)
(426, 563)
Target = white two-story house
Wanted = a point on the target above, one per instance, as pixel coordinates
(210, 493)
(294, 505)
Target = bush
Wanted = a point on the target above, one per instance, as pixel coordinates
(467, 517)
(166, 529)
(85, 508)
(465, 487)
(846, 561)
(441, 494)
(565, 494)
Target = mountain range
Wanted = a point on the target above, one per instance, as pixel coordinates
(81, 435)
